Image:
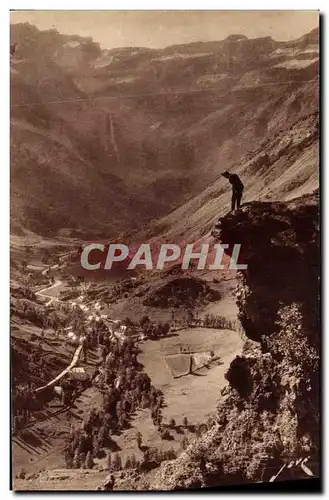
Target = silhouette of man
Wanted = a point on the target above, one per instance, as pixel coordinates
(237, 188)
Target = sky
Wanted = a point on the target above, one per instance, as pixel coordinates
(158, 29)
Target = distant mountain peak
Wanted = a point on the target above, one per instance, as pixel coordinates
(236, 38)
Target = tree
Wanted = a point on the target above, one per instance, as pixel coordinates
(89, 463)
(117, 464)
(139, 440)
(145, 320)
(184, 443)
(133, 461)
(198, 430)
(76, 459)
(172, 423)
(82, 460)
(159, 417)
(69, 460)
(145, 401)
(96, 446)
(22, 474)
(169, 454)
(165, 328)
(109, 461)
(165, 434)
(85, 349)
(16, 422)
(128, 322)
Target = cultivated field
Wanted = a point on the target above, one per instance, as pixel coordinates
(194, 395)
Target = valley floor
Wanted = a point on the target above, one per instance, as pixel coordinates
(193, 396)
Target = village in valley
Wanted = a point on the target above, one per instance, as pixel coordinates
(123, 366)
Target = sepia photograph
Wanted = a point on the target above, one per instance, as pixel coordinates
(165, 322)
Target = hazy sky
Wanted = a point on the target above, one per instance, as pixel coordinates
(162, 28)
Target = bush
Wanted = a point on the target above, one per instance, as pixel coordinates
(238, 375)
(291, 342)
(172, 423)
(22, 474)
(165, 434)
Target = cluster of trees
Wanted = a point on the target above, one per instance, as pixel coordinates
(24, 403)
(47, 255)
(69, 294)
(33, 362)
(116, 291)
(26, 309)
(22, 292)
(22, 418)
(71, 389)
(219, 322)
(124, 388)
(182, 292)
(153, 457)
(29, 368)
(57, 318)
(209, 321)
(150, 329)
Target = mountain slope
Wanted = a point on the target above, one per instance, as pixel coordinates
(129, 134)
(286, 165)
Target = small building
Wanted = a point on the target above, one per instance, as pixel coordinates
(79, 373)
(58, 390)
(72, 337)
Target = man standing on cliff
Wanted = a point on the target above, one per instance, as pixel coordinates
(237, 189)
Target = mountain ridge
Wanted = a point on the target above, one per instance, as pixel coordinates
(144, 155)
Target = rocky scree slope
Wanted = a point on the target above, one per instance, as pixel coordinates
(269, 412)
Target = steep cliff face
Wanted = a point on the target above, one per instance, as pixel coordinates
(280, 245)
(269, 412)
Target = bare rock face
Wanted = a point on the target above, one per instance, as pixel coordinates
(280, 245)
(268, 414)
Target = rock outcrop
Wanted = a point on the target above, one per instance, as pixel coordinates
(280, 245)
(269, 412)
